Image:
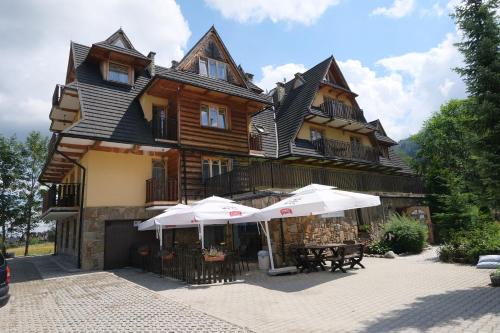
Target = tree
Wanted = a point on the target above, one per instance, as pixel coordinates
(447, 165)
(10, 171)
(34, 157)
(479, 23)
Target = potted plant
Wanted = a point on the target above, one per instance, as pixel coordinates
(214, 255)
(495, 278)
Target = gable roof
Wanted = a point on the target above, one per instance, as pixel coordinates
(109, 112)
(213, 32)
(129, 49)
(380, 133)
(296, 104)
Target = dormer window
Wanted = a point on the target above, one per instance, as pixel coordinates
(118, 73)
(213, 68)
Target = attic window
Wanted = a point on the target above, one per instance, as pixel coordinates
(213, 68)
(119, 42)
(118, 73)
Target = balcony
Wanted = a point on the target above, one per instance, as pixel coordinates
(61, 200)
(346, 150)
(262, 176)
(336, 109)
(164, 128)
(161, 191)
(255, 142)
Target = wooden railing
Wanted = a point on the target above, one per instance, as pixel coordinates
(161, 190)
(61, 195)
(255, 142)
(347, 150)
(336, 109)
(164, 128)
(274, 175)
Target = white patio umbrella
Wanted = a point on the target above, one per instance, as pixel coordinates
(314, 199)
(154, 221)
(209, 211)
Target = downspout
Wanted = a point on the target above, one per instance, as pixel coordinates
(82, 193)
(184, 179)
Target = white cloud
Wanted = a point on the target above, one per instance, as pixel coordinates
(291, 11)
(35, 47)
(272, 74)
(398, 9)
(414, 86)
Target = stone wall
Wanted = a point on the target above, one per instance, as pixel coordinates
(94, 226)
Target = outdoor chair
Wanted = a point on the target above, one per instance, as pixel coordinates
(353, 254)
(241, 257)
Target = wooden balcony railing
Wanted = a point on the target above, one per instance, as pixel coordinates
(162, 190)
(274, 175)
(336, 109)
(164, 128)
(255, 142)
(347, 150)
(61, 195)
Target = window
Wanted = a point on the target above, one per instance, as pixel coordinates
(213, 68)
(214, 167)
(160, 121)
(118, 73)
(213, 116)
(355, 140)
(316, 134)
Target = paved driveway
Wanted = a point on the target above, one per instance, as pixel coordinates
(68, 301)
(408, 294)
(413, 294)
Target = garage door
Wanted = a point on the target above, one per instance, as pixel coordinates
(120, 237)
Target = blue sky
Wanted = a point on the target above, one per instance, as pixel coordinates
(397, 55)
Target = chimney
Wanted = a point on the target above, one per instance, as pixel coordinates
(151, 66)
(249, 76)
(279, 93)
(175, 64)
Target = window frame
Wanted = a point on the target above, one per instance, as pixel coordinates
(227, 162)
(207, 72)
(219, 110)
(318, 130)
(112, 63)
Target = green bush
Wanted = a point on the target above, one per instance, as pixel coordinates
(467, 246)
(378, 247)
(404, 234)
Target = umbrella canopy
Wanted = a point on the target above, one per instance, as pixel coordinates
(318, 199)
(154, 221)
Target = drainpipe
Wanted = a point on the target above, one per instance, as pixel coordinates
(82, 192)
(184, 179)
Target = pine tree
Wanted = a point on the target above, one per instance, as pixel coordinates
(479, 23)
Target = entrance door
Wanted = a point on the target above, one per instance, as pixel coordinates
(247, 238)
(119, 239)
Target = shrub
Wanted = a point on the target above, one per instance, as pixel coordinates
(378, 247)
(467, 246)
(404, 234)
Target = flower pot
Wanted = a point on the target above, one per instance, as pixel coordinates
(214, 258)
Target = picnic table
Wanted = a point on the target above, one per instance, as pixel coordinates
(313, 256)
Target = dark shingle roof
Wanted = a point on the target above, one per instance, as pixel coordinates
(132, 52)
(296, 104)
(211, 84)
(265, 118)
(109, 111)
(385, 139)
(396, 161)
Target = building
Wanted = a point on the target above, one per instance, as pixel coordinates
(131, 138)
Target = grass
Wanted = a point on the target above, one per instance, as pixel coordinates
(34, 250)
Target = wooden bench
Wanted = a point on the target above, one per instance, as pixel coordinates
(306, 259)
(346, 255)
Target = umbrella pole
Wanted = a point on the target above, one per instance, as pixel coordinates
(269, 244)
(202, 236)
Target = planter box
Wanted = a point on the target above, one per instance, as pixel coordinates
(214, 258)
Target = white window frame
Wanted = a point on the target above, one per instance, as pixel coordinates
(317, 130)
(215, 112)
(211, 161)
(110, 64)
(220, 73)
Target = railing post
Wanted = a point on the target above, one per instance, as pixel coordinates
(272, 175)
